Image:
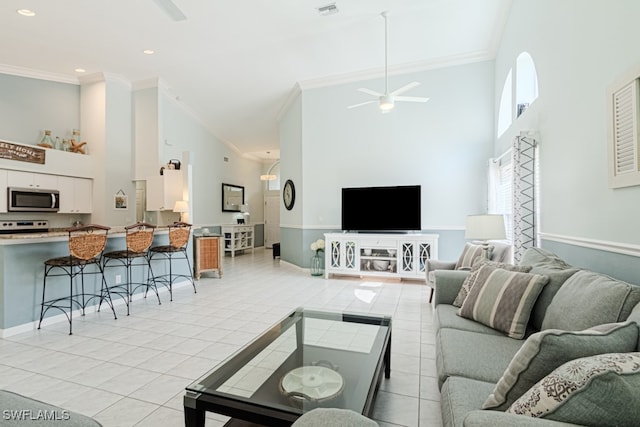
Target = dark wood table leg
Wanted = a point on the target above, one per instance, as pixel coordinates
(387, 360)
(193, 417)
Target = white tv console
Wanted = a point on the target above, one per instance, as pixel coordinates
(382, 255)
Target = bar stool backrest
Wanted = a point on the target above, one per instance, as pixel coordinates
(88, 241)
(139, 237)
(179, 234)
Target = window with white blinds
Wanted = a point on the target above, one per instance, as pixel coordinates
(624, 169)
(501, 190)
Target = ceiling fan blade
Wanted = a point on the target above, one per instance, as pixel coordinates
(362, 103)
(405, 88)
(410, 98)
(370, 92)
(171, 9)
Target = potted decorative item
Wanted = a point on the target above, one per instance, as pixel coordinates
(317, 266)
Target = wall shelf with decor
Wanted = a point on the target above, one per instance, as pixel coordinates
(402, 256)
(45, 160)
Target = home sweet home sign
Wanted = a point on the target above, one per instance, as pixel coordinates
(23, 153)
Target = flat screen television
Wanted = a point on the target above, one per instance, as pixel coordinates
(381, 209)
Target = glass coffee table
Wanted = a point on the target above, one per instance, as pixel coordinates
(309, 359)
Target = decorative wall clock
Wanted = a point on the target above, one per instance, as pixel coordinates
(289, 194)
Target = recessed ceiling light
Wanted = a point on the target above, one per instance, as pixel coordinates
(26, 12)
(80, 70)
(148, 51)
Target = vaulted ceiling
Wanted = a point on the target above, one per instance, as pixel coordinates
(233, 63)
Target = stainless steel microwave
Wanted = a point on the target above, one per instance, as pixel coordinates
(33, 200)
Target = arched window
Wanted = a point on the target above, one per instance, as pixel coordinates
(526, 82)
(506, 105)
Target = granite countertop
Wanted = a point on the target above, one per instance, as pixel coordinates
(62, 233)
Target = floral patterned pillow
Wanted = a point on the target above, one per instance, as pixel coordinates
(599, 390)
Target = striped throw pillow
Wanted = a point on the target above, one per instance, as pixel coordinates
(470, 280)
(470, 254)
(503, 299)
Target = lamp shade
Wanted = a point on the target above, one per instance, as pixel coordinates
(485, 227)
(181, 206)
(268, 177)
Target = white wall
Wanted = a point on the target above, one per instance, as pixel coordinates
(180, 131)
(442, 145)
(579, 48)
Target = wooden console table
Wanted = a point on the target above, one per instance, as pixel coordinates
(207, 254)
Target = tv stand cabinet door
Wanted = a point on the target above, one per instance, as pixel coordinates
(341, 255)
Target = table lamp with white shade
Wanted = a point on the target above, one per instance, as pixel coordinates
(181, 206)
(485, 227)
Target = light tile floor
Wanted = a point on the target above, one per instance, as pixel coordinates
(132, 371)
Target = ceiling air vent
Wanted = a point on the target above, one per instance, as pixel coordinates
(329, 9)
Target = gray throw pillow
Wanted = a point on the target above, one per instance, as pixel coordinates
(587, 299)
(574, 392)
(470, 280)
(544, 351)
(503, 299)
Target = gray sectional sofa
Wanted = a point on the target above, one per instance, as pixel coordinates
(575, 318)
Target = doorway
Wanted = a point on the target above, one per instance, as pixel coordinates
(271, 218)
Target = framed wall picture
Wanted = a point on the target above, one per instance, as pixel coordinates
(120, 200)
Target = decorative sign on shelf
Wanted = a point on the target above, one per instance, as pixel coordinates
(23, 153)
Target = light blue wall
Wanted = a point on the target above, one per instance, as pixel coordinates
(291, 240)
(29, 106)
(442, 145)
(579, 48)
(181, 132)
(576, 59)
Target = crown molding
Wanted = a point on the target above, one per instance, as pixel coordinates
(295, 91)
(412, 67)
(15, 70)
(103, 77)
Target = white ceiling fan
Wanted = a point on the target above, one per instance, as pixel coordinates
(387, 99)
(170, 8)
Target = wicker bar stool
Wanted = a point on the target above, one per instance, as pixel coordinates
(86, 245)
(139, 238)
(179, 233)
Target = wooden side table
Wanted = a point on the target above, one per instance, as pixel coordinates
(207, 255)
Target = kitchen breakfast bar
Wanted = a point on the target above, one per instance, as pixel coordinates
(22, 257)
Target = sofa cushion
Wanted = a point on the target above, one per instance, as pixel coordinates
(587, 299)
(473, 355)
(574, 392)
(556, 280)
(459, 396)
(330, 417)
(469, 254)
(446, 316)
(541, 258)
(544, 351)
(473, 276)
(503, 299)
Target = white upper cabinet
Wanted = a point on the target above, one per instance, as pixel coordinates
(75, 195)
(31, 180)
(163, 191)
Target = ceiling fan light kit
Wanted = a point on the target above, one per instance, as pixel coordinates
(386, 100)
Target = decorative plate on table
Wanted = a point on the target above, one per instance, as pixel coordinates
(312, 383)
